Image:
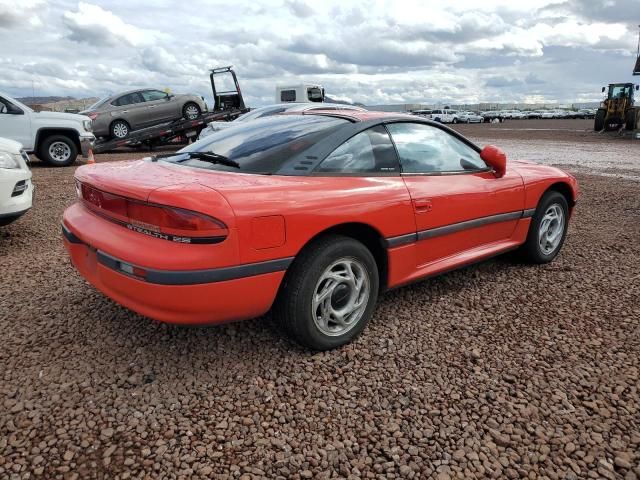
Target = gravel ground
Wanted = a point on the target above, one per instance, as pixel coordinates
(499, 370)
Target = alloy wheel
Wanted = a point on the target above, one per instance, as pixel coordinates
(341, 296)
(551, 229)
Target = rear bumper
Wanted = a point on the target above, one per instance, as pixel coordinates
(192, 297)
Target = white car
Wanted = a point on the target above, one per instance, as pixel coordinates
(444, 115)
(55, 137)
(16, 188)
(274, 110)
(469, 117)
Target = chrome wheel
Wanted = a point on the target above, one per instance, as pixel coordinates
(191, 111)
(59, 152)
(120, 130)
(551, 229)
(341, 296)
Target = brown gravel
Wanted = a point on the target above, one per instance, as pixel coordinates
(497, 371)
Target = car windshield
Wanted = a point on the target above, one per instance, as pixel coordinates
(260, 146)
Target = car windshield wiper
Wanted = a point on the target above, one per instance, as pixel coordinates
(210, 157)
(204, 156)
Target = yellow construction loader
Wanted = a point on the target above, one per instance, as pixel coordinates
(618, 108)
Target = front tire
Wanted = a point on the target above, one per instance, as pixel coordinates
(631, 119)
(598, 123)
(329, 293)
(548, 229)
(58, 151)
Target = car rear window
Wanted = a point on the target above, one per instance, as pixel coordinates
(263, 145)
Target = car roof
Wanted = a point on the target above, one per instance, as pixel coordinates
(357, 115)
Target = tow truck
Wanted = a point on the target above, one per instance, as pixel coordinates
(228, 105)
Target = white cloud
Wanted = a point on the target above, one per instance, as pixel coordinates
(94, 25)
(371, 51)
(19, 13)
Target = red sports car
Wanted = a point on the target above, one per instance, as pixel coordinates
(312, 214)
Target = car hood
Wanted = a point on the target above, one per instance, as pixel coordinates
(61, 116)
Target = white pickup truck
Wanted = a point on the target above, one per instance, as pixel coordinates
(56, 138)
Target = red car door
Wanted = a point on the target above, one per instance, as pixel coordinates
(458, 202)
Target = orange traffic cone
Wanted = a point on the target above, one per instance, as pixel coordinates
(90, 158)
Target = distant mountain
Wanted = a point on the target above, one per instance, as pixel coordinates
(42, 100)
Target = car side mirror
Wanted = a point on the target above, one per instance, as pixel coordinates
(170, 96)
(603, 89)
(637, 87)
(496, 159)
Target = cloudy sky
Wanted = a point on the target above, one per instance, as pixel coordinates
(396, 51)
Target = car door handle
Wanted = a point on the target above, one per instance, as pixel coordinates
(152, 106)
(422, 205)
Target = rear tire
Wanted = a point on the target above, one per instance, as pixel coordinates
(329, 293)
(191, 111)
(120, 129)
(598, 123)
(58, 151)
(548, 229)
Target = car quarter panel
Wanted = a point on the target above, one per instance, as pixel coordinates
(313, 204)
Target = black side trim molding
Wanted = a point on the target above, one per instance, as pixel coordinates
(192, 277)
(456, 227)
(69, 235)
(402, 240)
(476, 222)
(186, 277)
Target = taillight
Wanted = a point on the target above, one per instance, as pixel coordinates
(93, 115)
(160, 221)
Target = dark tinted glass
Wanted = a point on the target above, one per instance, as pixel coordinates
(263, 145)
(153, 95)
(288, 96)
(370, 151)
(424, 149)
(128, 99)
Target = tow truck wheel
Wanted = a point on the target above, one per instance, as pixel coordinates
(190, 111)
(120, 129)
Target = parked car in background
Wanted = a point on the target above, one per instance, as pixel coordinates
(55, 137)
(469, 117)
(533, 114)
(492, 116)
(443, 115)
(118, 115)
(269, 110)
(16, 189)
(313, 214)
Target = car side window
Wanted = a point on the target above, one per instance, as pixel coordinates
(370, 151)
(427, 149)
(128, 99)
(153, 95)
(288, 96)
